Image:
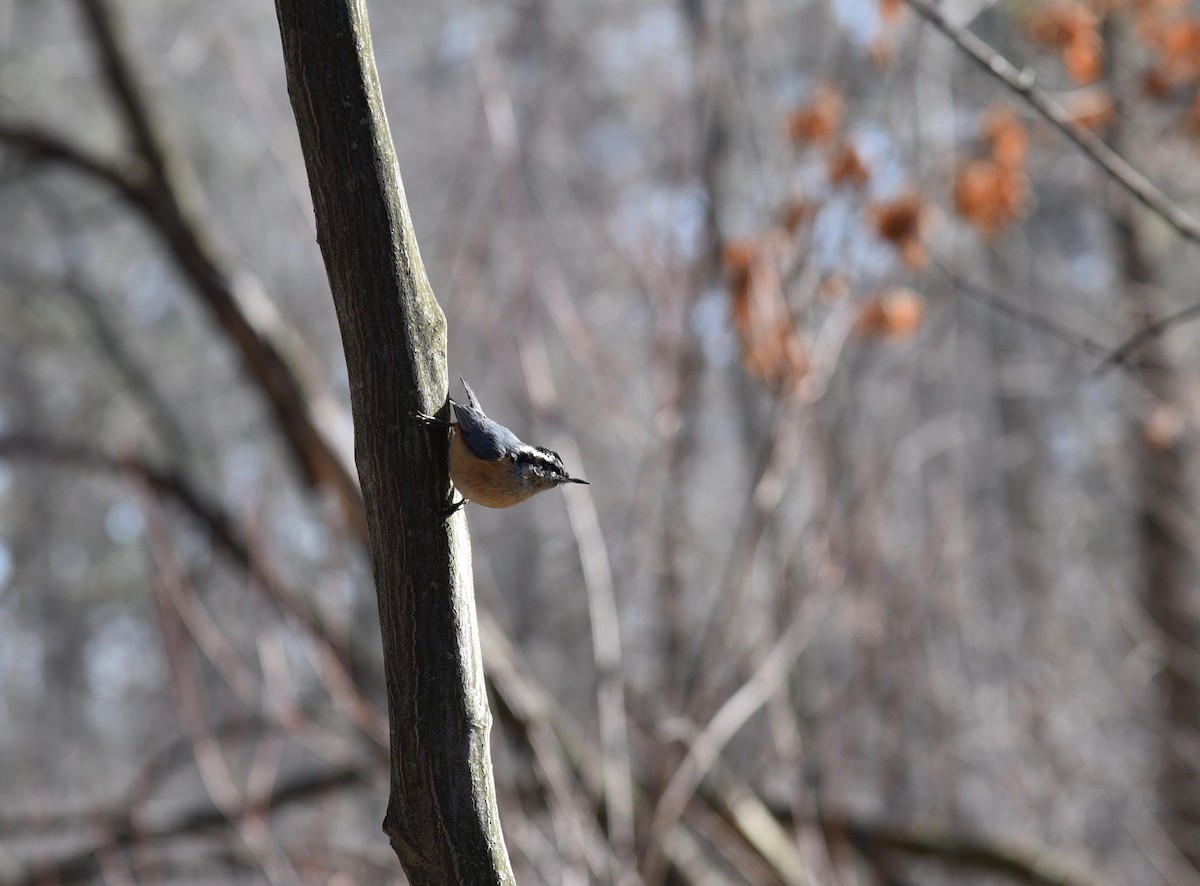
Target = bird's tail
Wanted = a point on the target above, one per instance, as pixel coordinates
(471, 401)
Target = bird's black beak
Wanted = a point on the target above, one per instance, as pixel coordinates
(577, 480)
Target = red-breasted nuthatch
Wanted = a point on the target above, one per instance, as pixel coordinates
(489, 465)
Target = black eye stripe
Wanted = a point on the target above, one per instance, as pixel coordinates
(544, 458)
(550, 454)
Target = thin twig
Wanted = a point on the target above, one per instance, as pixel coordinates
(40, 145)
(150, 182)
(1022, 83)
(176, 589)
(605, 624)
(504, 136)
(83, 865)
(111, 347)
(776, 462)
(1030, 863)
(706, 749)
(124, 85)
(1111, 358)
(1114, 165)
(338, 660)
(1120, 355)
(136, 378)
(525, 707)
(185, 677)
(510, 680)
(1032, 319)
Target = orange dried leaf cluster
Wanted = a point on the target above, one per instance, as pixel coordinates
(819, 120)
(847, 168)
(991, 193)
(891, 10)
(796, 213)
(1006, 136)
(772, 348)
(1178, 46)
(1156, 83)
(989, 196)
(883, 47)
(1074, 30)
(900, 222)
(891, 314)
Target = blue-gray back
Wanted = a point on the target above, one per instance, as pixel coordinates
(484, 437)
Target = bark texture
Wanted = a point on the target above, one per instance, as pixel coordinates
(441, 818)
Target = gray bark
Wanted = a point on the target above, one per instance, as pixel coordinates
(442, 818)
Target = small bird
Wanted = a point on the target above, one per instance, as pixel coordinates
(490, 465)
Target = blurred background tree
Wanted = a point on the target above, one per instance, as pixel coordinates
(886, 574)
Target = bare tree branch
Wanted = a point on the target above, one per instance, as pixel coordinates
(716, 734)
(123, 832)
(178, 607)
(606, 629)
(448, 626)
(1112, 358)
(537, 714)
(336, 658)
(133, 374)
(1022, 83)
(1120, 355)
(126, 90)
(1024, 862)
(1113, 164)
(39, 145)
(1029, 318)
(160, 197)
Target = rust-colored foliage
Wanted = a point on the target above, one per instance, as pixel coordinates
(847, 168)
(1156, 82)
(891, 314)
(1178, 45)
(883, 47)
(1006, 136)
(891, 10)
(1074, 30)
(990, 196)
(900, 223)
(772, 348)
(796, 213)
(1057, 24)
(818, 121)
(990, 193)
(1084, 58)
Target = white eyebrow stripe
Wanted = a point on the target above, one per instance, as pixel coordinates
(537, 456)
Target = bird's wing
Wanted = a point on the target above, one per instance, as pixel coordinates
(484, 437)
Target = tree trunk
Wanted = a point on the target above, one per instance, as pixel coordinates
(442, 818)
(1165, 565)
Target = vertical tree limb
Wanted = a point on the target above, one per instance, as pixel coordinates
(1165, 569)
(442, 817)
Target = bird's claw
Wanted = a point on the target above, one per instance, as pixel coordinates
(430, 420)
(453, 508)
